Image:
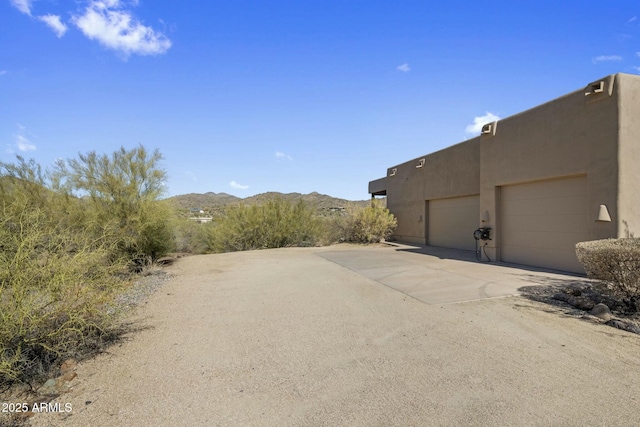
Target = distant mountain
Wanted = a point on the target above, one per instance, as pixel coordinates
(211, 203)
(208, 201)
(317, 200)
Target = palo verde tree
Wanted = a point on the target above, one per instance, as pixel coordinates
(56, 276)
(65, 237)
(121, 193)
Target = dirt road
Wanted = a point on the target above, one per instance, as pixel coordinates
(287, 337)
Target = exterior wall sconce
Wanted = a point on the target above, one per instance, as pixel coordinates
(420, 163)
(393, 172)
(603, 214)
(485, 216)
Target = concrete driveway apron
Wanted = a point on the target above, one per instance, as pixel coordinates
(440, 276)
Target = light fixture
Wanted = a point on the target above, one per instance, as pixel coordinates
(485, 216)
(603, 214)
(420, 163)
(393, 172)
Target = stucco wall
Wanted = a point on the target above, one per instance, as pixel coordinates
(405, 189)
(628, 214)
(568, 136)
(603, 114)
(452, 172)
(587, 132)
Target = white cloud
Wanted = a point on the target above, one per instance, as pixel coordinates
(404, 68)
(237, 186)
(54, 22)
(281, 155)
(480, 121)
(606, 58)
(21, 141)
(191, 175)
(633, 19)
(3, 72)
(24, 144)
(23, 6)
(117, 29)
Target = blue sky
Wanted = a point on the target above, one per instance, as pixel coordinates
(245, 97)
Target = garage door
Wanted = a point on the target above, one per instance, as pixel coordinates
(542, 222)
(452, 222)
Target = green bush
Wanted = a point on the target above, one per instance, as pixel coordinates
(121, 192)
(275, 224)
(614, 261)
(54, 285)
(66, 238)
(190, 236)
(364, 225)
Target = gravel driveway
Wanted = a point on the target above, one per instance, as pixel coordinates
(287, 337)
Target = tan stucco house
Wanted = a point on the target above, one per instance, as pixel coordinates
(563, 172)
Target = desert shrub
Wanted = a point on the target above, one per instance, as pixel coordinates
(121, 192)
(614, 261)
(190, 236)
(363, 225)
(54, 285)
(275, 224)
(66, 237)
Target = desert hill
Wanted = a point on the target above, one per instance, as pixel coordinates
(206, 201)
(214, 202)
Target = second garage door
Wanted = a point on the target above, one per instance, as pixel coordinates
(452, 222)
(542, 222)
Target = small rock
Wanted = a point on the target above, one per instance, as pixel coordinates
(581, 303)
(601, 311)
(625, 326)
(632, 327)
(616, 324)
(49, 388)
(57, 386)
(576, 292)
(561, 297)
(54, 387)
(68, 376)
(68, 365)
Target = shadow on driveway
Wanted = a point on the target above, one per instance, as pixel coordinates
(440, 275)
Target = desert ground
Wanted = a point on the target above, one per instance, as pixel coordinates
(318, 337)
